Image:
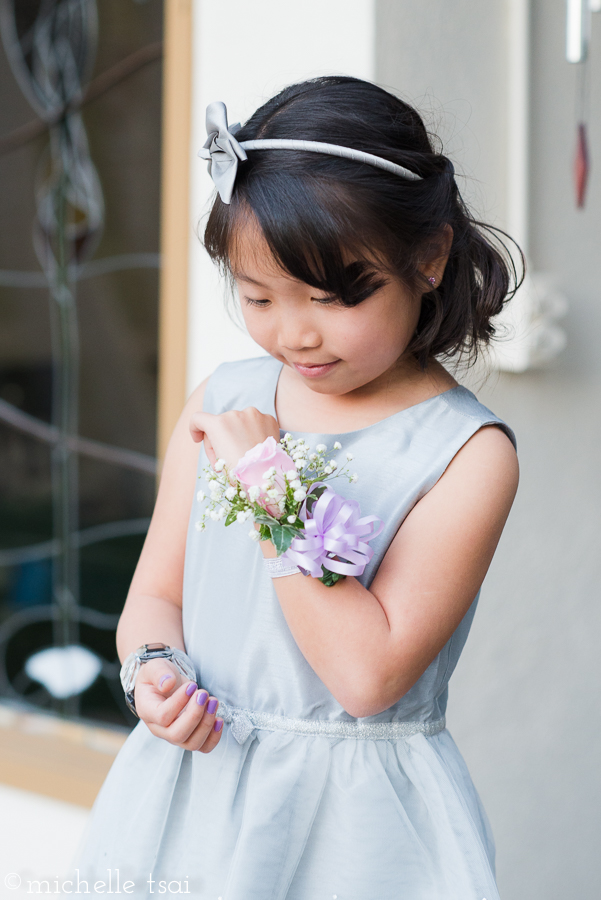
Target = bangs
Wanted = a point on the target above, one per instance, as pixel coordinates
(311, 229)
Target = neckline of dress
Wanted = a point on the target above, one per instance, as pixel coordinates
(400, 412)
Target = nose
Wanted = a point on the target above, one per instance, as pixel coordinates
(298, 332)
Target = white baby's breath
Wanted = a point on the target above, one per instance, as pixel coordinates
(321, 448)
(200, 496)
(291, 519)
(300, 463)
(354, 478)
(328, 470)
(200, 526)
(337, 445)
(254, 535)
(241, 516)
(290, 475)
(300, 494)
(220, 463)
(333, 464)
(253, 492)
(349, 456)
(230, 492)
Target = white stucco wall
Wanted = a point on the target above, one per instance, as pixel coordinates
(524, 699)
(243, 54)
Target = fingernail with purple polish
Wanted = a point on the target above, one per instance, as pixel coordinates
(163, 680)
(218, 724)
(212, 706)
(191, 688)
(201, 698)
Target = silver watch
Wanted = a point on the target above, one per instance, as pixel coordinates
(132, 663)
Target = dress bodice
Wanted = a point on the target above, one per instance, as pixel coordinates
(234, 627)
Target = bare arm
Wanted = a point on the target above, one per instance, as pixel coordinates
(369, 647)
(174, 710)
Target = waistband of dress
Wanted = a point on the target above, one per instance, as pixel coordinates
(243, 721)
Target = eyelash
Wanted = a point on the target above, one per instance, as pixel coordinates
(325, 301)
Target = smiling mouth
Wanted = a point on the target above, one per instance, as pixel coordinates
(314, 369)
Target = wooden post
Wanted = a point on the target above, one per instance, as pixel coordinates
(175, 187)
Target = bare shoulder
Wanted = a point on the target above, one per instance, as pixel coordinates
(489, 454)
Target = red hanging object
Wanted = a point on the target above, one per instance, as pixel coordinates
(581, 166)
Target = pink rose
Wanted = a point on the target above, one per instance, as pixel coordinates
(250, 472)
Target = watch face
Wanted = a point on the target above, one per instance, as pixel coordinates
(156, 646)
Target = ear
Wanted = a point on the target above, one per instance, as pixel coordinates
(433, 268)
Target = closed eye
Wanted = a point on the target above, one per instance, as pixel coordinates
(253, 302)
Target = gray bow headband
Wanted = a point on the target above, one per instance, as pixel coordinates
(223, 151)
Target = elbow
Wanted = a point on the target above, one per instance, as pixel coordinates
(373, 699)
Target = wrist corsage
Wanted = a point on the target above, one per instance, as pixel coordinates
(281, 486)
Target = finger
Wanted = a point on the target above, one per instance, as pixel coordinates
(199, 422)
(163, 711)
(211, 455)
(213, 738)
(196, 722)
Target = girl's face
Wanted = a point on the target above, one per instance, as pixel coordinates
(331, 348)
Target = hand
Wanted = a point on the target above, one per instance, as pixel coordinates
(228, 436)
(170, 712)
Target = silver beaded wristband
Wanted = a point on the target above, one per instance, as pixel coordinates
(279, 566)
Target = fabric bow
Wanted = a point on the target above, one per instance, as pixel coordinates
(240, 723)
(222, 150)
(335, 527)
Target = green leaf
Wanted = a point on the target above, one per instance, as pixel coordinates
(282, 536)
(330, 578)
(231, 517)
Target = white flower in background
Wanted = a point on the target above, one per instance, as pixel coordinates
(291, 519)
(200, 496)
(300, 463)
(200, 526)
(216, 495)
(213, 485)
(337, 445)
(243, 494)
(321, 448)
(268, 474)
(254, 535)
(349, 456)
(214, 514)
(296, 484)
(219, 465)
(253, 492)
(312, 456)
(300, 494)
(230, 492)
(273, 493)
(265, 486)
(291, 475)
(354, 478)
(282, 504)
(328, 470)
(333, 464)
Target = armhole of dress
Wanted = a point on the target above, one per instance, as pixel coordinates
(504, 428)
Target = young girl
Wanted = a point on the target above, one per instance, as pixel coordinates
(326, 771)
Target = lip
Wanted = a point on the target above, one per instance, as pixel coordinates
(310, 371)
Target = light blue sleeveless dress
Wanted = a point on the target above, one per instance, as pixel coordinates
(299, 800)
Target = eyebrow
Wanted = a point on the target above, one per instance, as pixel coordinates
(239, 276)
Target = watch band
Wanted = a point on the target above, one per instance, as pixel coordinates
(157, 650)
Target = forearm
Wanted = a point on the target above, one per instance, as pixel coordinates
(146, 619)
(342, 631)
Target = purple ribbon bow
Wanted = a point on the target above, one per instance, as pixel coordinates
(335, 527)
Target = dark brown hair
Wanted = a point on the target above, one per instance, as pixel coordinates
(314, 210)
